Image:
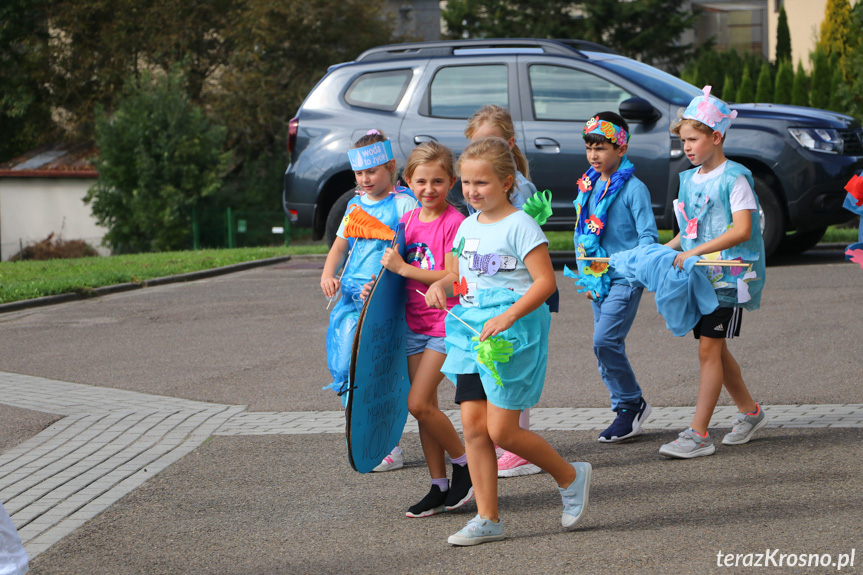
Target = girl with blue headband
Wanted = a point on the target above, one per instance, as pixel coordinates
(359, 246)
(613, 215)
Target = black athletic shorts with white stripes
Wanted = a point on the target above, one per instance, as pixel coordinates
(723, 323)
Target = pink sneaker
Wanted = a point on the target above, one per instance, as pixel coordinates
(511, 465)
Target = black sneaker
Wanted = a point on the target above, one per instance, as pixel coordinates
(460, 489)
(627, 423)
(430, 504)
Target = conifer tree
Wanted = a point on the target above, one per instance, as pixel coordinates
(765, 87)
(783, 90)
(819, 96)
(800, 90)
(835, 28)
(746, 91)
(729, 91)
(783, 37)
(835, 103)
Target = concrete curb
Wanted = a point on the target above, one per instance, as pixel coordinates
(106, 290)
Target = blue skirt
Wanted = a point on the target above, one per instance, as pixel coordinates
(523, 376)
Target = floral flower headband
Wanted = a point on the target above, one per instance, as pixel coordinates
(614, 133)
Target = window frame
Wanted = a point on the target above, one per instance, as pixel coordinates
(532, 99)
(407, 73)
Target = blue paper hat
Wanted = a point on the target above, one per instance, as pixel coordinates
(370, 156)
(710, 111)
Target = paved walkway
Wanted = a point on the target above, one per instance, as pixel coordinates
(111, 441)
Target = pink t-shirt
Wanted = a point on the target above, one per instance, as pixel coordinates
(427, 246)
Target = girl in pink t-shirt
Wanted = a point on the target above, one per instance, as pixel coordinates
(429, 234)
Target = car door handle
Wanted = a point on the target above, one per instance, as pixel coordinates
(421, 139)
(547, 145)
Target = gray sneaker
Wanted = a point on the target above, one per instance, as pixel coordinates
(745, 425)
(688, 445)
(478, 530)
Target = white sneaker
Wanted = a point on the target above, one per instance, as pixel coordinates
(395, 460)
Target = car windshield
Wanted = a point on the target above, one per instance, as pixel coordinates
(660, 83)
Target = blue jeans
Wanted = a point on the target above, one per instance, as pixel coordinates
(612, 320)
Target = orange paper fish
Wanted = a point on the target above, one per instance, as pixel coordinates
(363, 225)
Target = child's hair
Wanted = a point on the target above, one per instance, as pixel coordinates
(430, 153)
(372, 137)
(496, 152)
(499, 117)
(608, 117)
(700, 126)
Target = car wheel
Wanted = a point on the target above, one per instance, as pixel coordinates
(772, 218)
(337, 212)
(799, 242)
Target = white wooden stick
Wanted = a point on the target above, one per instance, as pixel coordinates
(723, 263)
(454, 315)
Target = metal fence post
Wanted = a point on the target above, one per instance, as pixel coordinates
(196, 231)
(231, 243)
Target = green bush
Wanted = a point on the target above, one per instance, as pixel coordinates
(158, 156)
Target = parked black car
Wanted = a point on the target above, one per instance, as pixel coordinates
(801, 158)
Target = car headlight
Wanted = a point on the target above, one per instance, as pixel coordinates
(824, 140)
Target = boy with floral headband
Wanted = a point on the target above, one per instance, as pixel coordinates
(718, 215)
(613, 215)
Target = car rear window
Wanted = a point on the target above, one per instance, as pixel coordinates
(561, 93)
(459, 91)
(379, 90)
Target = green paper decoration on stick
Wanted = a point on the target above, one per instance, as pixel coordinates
(538, 206)
(493, 349)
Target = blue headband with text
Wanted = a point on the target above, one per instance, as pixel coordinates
(371, 155)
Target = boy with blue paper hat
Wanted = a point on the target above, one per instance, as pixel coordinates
(718, 215)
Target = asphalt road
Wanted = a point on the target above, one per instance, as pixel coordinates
(291, 504)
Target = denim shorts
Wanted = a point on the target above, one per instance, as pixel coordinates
(417, 343)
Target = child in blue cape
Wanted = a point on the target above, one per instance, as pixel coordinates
(378, 197)
(718, 215)
(505, 277)
(613, 215)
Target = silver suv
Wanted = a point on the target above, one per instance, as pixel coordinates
(801, 158)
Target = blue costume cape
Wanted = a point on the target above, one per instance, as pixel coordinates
(709, 203)
(682, 296)
(364, 262)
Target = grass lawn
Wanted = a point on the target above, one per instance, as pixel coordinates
(32, 279)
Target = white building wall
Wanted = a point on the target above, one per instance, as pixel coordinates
(32, 208)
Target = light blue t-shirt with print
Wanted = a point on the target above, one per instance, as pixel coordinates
(492, 255)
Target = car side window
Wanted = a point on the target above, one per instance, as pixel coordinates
(561, 93)
(459, 91)
(379, 90)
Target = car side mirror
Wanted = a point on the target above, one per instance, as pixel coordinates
(639, 110)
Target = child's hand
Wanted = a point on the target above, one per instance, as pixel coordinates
(392, 260)
(367, 289)
(682, 257)
(330, 286)
(436, 296)
(495, 326)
